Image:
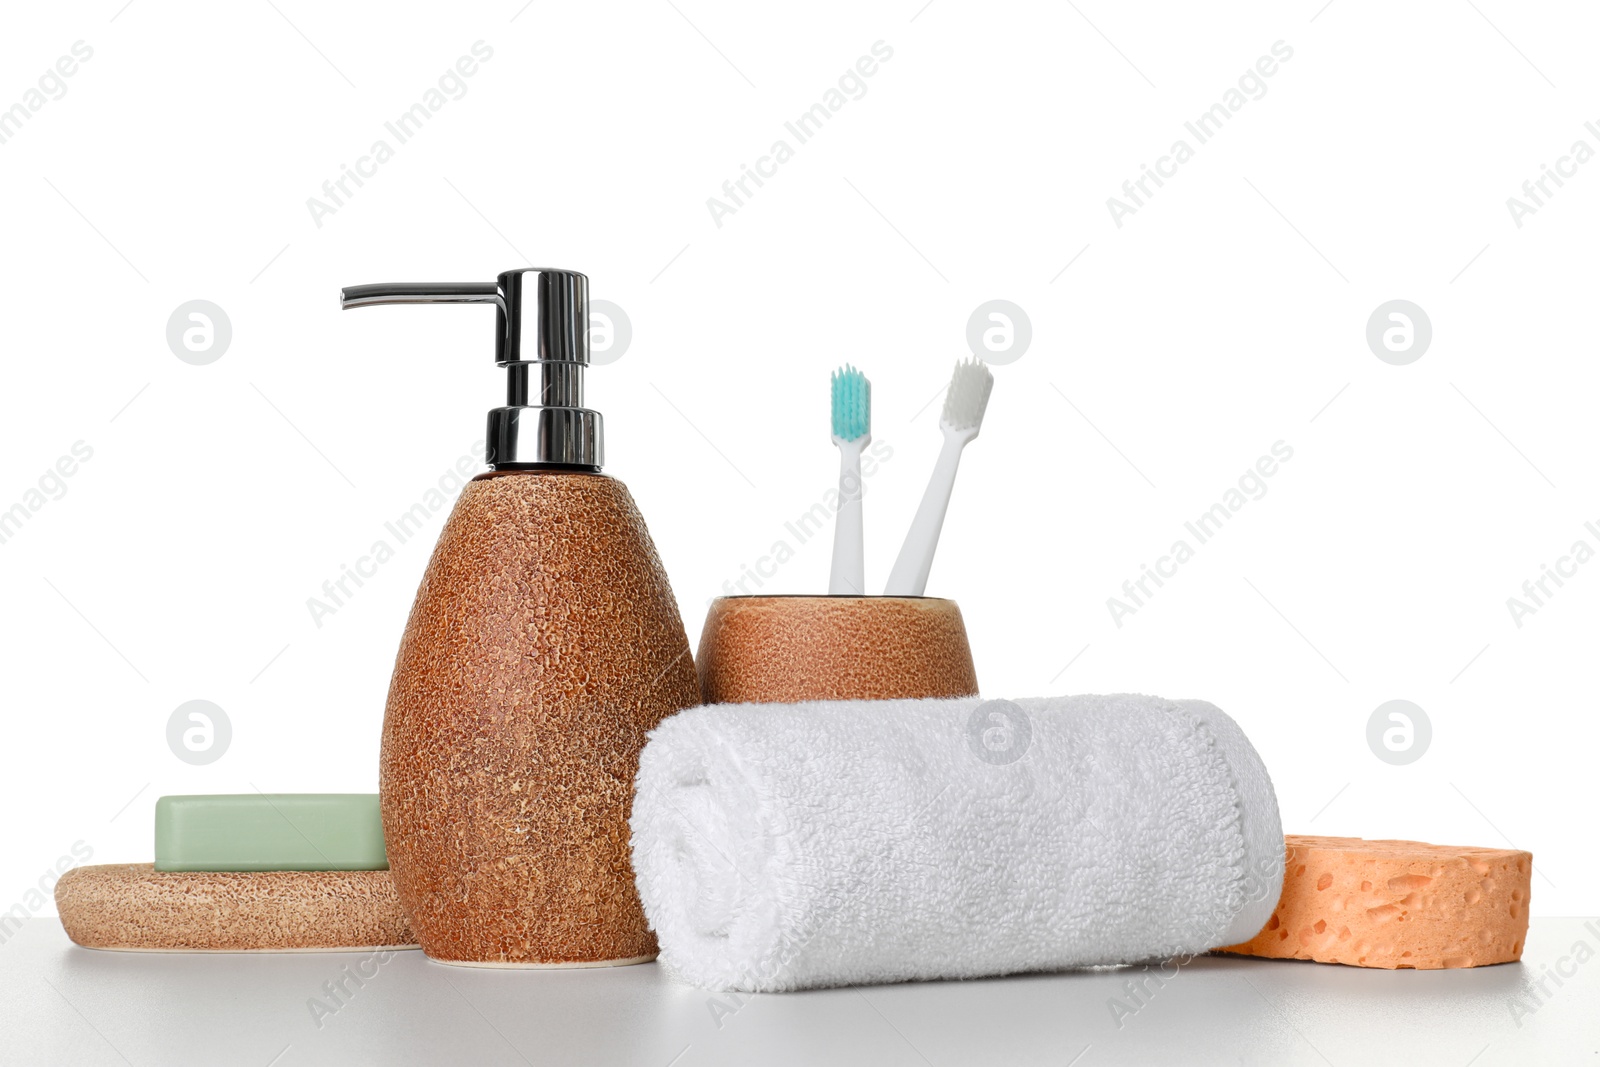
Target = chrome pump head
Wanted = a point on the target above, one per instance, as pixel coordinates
(541, 320)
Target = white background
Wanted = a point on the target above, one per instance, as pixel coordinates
(1227, 314)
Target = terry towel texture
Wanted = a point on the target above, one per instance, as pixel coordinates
(787, 846)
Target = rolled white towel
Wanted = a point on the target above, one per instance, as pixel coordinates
(787, 846)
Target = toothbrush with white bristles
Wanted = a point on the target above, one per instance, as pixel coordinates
(852, 431)
(964, 404)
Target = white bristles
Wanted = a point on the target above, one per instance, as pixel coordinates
(968, 395)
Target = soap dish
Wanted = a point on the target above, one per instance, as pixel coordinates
(134, 907)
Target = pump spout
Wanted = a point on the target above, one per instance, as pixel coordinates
(360, 296)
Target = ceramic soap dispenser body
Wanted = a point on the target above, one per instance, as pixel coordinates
(544, 643)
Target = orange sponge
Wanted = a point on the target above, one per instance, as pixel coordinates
(1397, 904)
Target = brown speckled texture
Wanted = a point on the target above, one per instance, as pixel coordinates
(135, 906)
(775, 649)
(1397, 905)
(544, 644)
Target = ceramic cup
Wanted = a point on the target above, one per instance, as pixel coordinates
(783, 649)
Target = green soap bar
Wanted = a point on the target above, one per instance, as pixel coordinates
(270, 832)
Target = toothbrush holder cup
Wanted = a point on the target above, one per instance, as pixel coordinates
(786, 649)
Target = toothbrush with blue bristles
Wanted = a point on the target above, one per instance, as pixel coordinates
(852, 432)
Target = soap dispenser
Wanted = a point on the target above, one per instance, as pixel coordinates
(543, 645)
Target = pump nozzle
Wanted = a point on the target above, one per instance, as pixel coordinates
(360, 296)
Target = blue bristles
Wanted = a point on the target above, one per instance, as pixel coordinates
(852, 404)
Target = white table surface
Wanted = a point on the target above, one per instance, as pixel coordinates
(61, 1004)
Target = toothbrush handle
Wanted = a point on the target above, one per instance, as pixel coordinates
(910, 574)
(849, 556)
